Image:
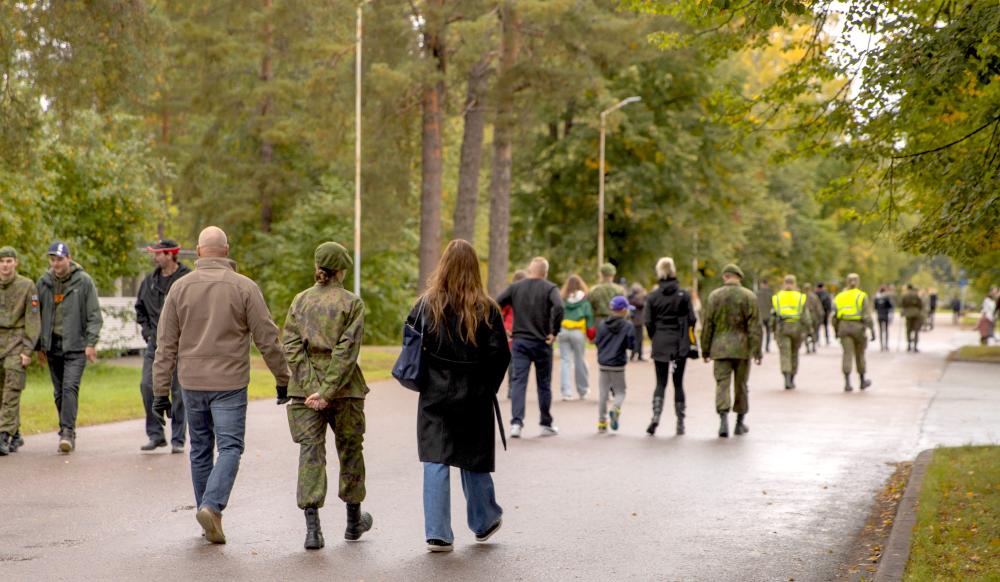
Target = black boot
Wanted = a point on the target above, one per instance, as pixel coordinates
(679, 409)
(314, 535)
(788, 380)
(657, 410)
(724, 425)
(847, 383)
(4, 447)
(791, 380)
(741, 427)
(358, 522)
(865, 383)
(16, 442)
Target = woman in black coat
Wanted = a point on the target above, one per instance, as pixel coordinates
(465, 356)
(669, 316)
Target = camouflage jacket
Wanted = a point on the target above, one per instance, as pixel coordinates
(731, 324)
(601, 295)
(322, 340)
(20, 321)
(815, 308)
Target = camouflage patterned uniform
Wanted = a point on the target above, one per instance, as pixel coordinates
(791, 332)
(322, 339)
(815, 308)
(20, 326)
(852, 336)
(731, 335)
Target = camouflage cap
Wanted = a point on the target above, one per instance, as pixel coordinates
(732, 268)
(8, 252)
(608, 270)
(331, 255)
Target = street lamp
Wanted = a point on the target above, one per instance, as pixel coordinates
(600, 195)
(357, 158)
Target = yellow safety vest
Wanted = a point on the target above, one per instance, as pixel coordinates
(849, 304)
(788, 305)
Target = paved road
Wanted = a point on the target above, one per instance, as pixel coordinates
(780, 503)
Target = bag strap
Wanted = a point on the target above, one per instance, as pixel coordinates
(496, 409)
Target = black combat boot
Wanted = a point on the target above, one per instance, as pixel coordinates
(358, 522)
(788, 381)
(724, 425)
(4, 447)
(16, 442)
(791, 379)
(679, 409)
(865, 383)
(847, 383)
(741, 427)
(314, 535)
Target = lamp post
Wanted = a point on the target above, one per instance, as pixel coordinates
(357, 158)
(600, 189)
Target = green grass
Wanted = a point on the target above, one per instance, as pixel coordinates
(977, 354)
(110, 393)
(957, 536)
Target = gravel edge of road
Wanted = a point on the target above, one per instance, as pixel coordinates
(897, 551)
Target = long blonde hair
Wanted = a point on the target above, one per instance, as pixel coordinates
(457, 284)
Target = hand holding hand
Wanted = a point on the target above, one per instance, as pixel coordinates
(25, 360)
(161, 409)
(91, 352)
(316, 402)
(282, 395)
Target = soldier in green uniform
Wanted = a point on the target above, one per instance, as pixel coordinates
(600, 295)
(794, 323)
(731, 336)
(913, 311)
(815, 309)
(853, 315)
(20, 324)
(322, 340)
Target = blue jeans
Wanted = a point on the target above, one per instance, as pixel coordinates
(524, 352)
(153, 429)
(215, 418)
(572, 358)
(480, 502)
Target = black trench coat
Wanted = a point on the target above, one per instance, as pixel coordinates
(456, 418)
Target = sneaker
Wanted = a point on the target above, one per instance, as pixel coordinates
(550, 430)
(152, 445)
(66, 445)
(515, 431)
(211, 522)
(583, 396)
(602, 426)
(177, 449)
(567, 398)
(615, 415)
(439, 545)
(489, 533)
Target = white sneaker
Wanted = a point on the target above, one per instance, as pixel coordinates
(515, 431)
(548, 431)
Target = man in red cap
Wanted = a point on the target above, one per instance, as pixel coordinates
(148, 304)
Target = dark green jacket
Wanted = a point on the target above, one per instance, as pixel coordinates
(82, 319)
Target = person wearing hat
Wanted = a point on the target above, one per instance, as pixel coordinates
(323, 333)
(790, 308)
(731, 335)
(204, 333)
(20, 325)
(853, 316)
(600, 295)
(148, 305)
(71, 327)
(615, 336)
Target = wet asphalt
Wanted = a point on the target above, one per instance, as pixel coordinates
(781, 503)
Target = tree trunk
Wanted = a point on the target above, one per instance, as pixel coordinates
(503, 130)
(431, 156)
(472, 151)
(266, 147)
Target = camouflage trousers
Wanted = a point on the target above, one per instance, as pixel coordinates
(790, 336)
(853, 340)
(346, 417)
(12, 379)
(739, 371)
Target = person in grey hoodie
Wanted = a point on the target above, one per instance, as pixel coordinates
(615, 336)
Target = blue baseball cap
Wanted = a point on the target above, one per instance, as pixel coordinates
(58, 249)
(618, 303)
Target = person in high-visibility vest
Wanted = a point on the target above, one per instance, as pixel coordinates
(793, 324)
(853, 314)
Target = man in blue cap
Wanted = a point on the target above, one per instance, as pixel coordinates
(71, 327)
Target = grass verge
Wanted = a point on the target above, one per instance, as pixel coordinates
(988, 354)
(109, 393)
(957, 536)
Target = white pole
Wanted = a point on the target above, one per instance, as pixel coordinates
(357, 162)
(600, 187)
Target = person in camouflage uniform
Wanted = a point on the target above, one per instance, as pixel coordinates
(790, 310)
(731, 335)
(853, 315)
(600, 295)
(322, 339)
(20, 325)
(815, 308)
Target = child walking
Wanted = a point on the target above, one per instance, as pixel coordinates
(615, 337)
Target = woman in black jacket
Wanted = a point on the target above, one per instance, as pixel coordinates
(465, 357)
(669, 315)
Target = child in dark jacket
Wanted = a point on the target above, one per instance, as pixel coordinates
(615, 336)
